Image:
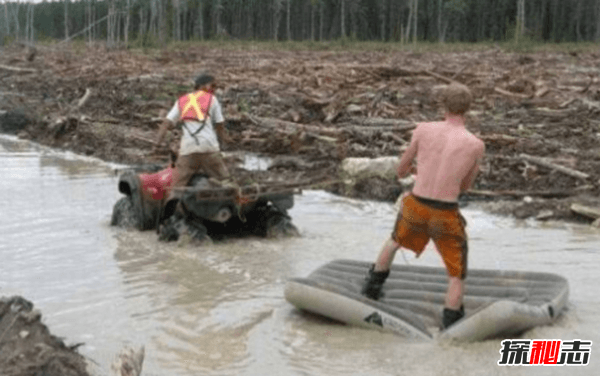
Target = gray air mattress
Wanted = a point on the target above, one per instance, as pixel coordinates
(497, 302)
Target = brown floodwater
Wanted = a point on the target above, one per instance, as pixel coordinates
(219, 309)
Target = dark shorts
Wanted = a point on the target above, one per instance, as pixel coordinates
(422, 219)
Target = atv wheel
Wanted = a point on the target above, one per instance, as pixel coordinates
(170, 228)
(176, 225)
(123, 214)
(197, 230)
(279, 225)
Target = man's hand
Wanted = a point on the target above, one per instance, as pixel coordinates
(400, 202)
(223, 134)
(162, 131)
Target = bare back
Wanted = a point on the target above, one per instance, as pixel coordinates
(448, 157)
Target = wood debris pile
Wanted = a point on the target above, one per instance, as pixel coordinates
(539, 114)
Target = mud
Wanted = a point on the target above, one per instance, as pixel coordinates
(28, 349)
(319, 107)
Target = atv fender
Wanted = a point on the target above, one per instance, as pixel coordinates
(145, 207)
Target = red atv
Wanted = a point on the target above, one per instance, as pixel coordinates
(203, 209)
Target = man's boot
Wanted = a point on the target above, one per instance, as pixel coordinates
(373, 283)
(451, 316)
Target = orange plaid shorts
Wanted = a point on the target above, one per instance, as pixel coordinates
(423, 219)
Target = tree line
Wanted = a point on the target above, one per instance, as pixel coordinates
(118, 22)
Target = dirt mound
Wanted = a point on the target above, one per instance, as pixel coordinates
(28, 349)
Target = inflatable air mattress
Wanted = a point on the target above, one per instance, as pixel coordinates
(497, 302)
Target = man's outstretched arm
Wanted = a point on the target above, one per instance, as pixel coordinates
(162, 131)
(222, 133)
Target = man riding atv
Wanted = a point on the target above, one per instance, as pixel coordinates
(192, 197)
(202, 120)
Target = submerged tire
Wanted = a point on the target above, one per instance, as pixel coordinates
(124, 214)
(169, 230)
(278, 225)
(177, 225)
(196, 230)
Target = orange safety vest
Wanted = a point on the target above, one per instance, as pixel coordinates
(195, 106)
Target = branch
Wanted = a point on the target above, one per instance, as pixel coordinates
(586, 211)
(84, 99)
(89, 27)
(511, 94)
(15, 69)
(440, 77)
(290, 127)
(545, 163)
(519, 194)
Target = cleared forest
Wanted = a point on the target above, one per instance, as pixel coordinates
(538, 113)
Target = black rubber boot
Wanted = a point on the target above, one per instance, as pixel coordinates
(373, 283)
(451, 316)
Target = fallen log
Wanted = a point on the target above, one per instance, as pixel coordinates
(15, 69)
(440, 77)
(567, 102)
(511, 94)
(3, 93)
(520, 194)
(144, 139)
(387, 71)
(501, 138)
(367, 125)
(541, 92)
(362, 168)
(368, 129)
(377, 121)
(586, 211)
(288, 127)
(146, 77)
(395, 138)
(545, 163)
(547, 112)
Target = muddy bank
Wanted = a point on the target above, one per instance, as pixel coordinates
(539, 114)
(27, 347)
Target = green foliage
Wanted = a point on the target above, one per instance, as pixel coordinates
(146, 41)
(8, 40)
(523, 45)
(456, 6)
(365, 20)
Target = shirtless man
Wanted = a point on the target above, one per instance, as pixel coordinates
(448, 158)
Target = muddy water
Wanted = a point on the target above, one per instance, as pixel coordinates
(219, 309)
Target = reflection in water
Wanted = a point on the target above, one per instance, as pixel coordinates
(219, 309)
